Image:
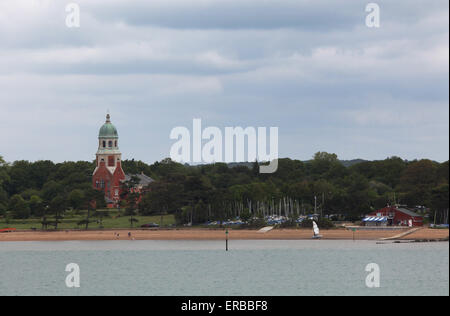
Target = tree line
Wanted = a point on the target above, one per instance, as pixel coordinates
(196, 194)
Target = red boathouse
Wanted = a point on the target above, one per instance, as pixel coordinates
(399, 216)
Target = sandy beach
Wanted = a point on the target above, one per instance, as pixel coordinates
(211, 234)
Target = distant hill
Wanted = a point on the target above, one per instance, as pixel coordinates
(346, 163)
(240, 164)
(349, 163)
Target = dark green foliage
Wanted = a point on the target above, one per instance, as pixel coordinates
(196, 194)
(76, 199)
(246, 216)
(254, 223)
(131, 198)
(18, 207)
(36, 206)
(289, 224)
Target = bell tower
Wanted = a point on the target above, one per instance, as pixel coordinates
(108, 173)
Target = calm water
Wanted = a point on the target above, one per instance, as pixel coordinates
(204, 268)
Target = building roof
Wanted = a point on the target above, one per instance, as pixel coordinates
(108, 130)
(408, 212)
(389, 209)
(143, 179)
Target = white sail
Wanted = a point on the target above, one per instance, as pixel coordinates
(315, 229)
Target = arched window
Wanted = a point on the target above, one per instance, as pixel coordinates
(104, 144)
(110, 143)
(115, 143)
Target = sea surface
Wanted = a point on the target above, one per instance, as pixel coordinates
(203, 268)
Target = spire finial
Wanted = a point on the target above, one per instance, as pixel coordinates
(108, 118)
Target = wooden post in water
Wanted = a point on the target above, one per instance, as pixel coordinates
(226, 239)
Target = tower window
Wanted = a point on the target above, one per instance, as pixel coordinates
(104, 144)
(115, 143)
(110, 161)
(110, 143)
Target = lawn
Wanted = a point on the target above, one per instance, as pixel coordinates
(111, 219)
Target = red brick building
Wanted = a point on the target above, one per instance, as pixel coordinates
(399, 216)
(108, 173)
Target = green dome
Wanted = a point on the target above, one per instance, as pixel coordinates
(108, 130)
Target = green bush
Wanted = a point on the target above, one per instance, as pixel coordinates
(325, 223)
(289, 224)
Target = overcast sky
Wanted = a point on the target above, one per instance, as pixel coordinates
(311, 68)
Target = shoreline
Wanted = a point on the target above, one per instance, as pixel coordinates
(219, 234)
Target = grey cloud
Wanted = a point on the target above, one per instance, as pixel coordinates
(311, 68)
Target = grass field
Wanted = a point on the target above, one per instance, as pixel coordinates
(113, 219)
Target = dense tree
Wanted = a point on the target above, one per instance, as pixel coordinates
(443, 173)
(18, 207)
(358, 195)
(50, 190)
(417, 181)
(4, 177)
(76, 199)
(440, 202)
(18, 178)
(131, 196)
(90, 200)
(57, 207)
(3, 202)
(36, 206)
(323, 163)
(388, 171)
(163, 197)
(201, 212)
(220, 191)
